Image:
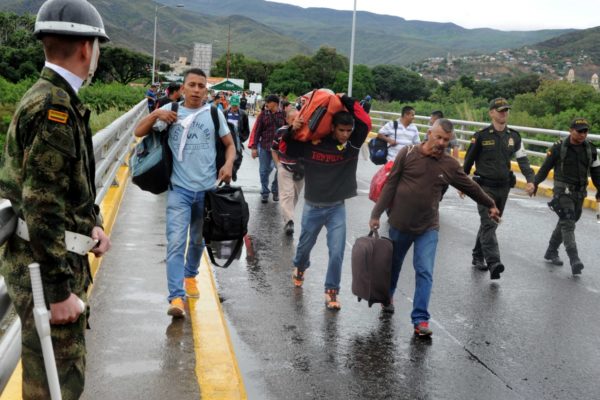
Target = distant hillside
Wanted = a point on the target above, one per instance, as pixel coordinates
(283, 30)
(380, 39)
(131, 24)
(572, 44)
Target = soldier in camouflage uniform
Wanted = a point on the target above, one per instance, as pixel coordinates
(573, 159)
(491, 151)
(47, 172)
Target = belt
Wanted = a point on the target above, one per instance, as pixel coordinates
(570, 187)
(75, 242)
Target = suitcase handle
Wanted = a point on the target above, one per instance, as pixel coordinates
(374, 233)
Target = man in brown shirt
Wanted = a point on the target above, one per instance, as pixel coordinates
(418, 179)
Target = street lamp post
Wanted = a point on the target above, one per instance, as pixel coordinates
(156, 8)
(350, 73)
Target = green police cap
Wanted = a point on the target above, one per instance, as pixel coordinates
(499, 104)
(580, 123)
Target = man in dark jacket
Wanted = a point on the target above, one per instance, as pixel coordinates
(265, 127)
(491, 151)
(573, 159)
(330, 178)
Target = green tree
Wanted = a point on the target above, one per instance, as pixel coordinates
(122, 65)
(21, 55)
(398, 83)
(325, 65)
(288, 79)
(362, 83)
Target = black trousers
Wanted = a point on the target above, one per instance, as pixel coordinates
(486, 244)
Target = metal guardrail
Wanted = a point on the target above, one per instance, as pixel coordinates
(111, 146)
(465, 129)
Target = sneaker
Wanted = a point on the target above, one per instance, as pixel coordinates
(388, 308)
(479, 263)
(275, 196)
(191, 288)
(264, 199)
(289, 228)
(495, 270)
(176, 308)
(422, 329)
(331, 300)
(298, 277)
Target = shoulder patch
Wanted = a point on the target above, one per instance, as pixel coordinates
(58, 116)
(59, 97)
(60, 137)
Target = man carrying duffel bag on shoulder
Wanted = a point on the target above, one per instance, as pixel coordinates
(330, 178)
(414, 189)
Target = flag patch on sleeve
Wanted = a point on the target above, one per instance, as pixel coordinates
(58, 116)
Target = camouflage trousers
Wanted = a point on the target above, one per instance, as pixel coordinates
(69, 350)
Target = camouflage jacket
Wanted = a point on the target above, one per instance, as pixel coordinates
(47, 172)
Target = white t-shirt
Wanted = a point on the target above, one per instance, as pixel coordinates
(197, 169)
(404, 137)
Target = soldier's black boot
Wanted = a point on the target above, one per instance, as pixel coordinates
(552, 257)
(496, 269)
(479, 263)
(576, 264)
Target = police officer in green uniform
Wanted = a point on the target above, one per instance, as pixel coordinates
(573, 159)
(47, 172)
(491, 151)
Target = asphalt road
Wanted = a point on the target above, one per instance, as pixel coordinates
(530, 335)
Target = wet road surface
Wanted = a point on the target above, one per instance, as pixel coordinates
(530, 335)
(135, 350)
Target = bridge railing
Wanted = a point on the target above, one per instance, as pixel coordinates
(111, 146)
(465, 129)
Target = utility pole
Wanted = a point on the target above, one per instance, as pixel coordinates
(350, 73)
(228, 48)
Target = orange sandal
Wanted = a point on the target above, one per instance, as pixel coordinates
(298, 277)
(331, 300)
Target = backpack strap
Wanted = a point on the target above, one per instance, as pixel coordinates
(214, 113)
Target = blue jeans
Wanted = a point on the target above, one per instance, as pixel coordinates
(185, 213)
(266, 165)
(334, 220)
(423, 260)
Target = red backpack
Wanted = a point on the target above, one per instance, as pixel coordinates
(318, 113)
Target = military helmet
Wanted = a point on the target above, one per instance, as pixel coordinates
(70, 18)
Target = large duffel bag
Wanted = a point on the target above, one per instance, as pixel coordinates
(372, 268)
(318, 113)
(226, 218)
(152, 161)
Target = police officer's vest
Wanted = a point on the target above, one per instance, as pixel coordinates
(563, 155)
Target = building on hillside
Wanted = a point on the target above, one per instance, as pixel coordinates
(180, 66)
(594, 82)
(571, 75)
(202, 57)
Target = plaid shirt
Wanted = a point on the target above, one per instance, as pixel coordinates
(267, 124)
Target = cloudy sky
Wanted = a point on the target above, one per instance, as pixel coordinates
(504, 15)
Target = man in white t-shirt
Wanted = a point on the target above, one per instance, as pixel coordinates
(193, 145)
(406, 133)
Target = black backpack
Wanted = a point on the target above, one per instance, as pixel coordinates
(226, 218)
(221, 150)
(378, 148)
